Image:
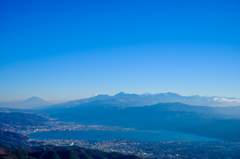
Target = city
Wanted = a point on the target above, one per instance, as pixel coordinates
(63, 126)
(168, 149)
(144, 149)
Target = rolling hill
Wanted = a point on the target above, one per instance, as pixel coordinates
(20, 120)
(52, 152)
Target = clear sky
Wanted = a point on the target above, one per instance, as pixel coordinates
(66, 50)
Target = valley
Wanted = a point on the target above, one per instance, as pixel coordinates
(115, 126)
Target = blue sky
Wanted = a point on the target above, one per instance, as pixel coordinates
(70, 50)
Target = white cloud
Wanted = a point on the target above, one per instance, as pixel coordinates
(226, 100)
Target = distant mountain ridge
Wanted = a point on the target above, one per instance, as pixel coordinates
(129, 100)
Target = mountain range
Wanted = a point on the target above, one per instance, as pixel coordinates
(204, 116)
(200, 120)
(152, 111)
(128, 100)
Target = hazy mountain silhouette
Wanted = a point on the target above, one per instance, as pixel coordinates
(129, 100)
(32, 102)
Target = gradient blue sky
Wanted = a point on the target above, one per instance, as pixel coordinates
(66, 50)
